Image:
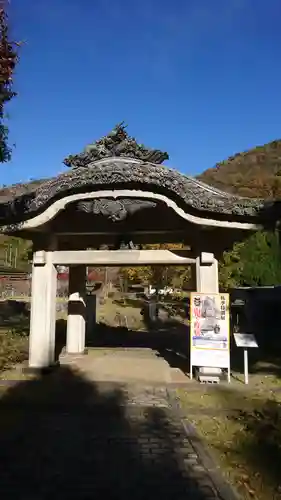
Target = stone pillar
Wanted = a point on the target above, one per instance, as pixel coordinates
(207, 275)
(43, 311)
(76, 319)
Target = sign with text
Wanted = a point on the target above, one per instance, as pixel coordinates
(209, 330)
(245, 340)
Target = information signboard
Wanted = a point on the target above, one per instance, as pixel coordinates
(209, 330)
(245, 340)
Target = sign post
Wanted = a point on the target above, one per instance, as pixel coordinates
(246, 366)
(209, 331)
(245, 340)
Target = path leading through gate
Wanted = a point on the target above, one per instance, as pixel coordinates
(126, 365)
(77, 434)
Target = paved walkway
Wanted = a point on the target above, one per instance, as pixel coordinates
(130, 365)
(66, 436)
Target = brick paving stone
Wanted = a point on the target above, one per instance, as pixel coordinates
(87, 441)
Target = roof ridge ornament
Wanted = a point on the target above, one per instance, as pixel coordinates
(117, 143)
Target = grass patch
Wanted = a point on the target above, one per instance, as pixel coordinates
(14, 328)
(242, 428)
(13, 347)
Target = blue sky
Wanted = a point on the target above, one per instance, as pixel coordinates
(200, 79)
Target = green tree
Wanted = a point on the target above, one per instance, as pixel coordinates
(254, 262)
(231, 268)
(262, 260)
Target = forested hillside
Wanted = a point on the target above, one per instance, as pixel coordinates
(253, 173)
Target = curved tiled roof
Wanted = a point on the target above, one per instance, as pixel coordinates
(123, 173)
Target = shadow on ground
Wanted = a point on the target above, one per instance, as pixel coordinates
(64, 437)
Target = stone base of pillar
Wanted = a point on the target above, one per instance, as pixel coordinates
(74, 354)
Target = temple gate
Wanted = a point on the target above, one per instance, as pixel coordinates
(118, 194)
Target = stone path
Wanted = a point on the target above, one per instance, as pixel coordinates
(133, 365)
(64, 436)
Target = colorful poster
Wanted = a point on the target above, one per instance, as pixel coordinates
(209, 330)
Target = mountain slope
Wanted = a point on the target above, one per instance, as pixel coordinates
(253, 173)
